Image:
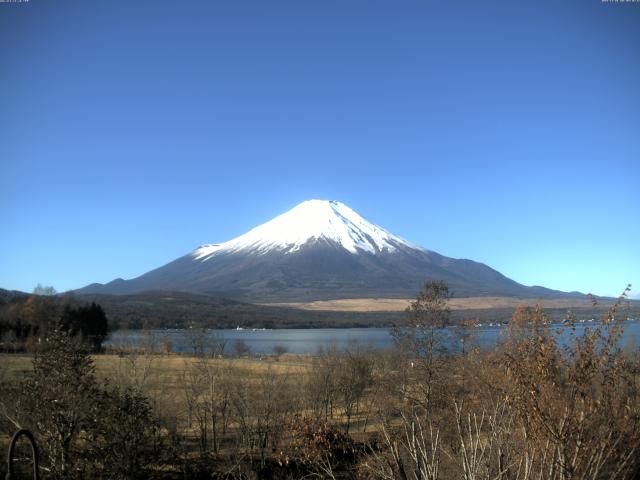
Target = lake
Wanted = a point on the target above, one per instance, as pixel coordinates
(309, 341)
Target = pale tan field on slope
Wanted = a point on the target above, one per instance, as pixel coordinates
(399, 304)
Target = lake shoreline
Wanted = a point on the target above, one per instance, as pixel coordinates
(308, 341)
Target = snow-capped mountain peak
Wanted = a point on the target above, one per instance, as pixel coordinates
(319, 250)
(313, 220)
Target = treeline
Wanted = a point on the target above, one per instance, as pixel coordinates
(158, 310)
(181, 310)
(26, 319)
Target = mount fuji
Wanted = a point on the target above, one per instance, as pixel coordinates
(318, 250)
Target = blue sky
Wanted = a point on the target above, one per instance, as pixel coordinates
(505, 132)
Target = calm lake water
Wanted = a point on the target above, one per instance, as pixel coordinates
(309, 341)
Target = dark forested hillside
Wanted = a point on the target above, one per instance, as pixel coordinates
(179, 310)
(24, 319)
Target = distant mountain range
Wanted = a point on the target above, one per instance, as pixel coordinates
(319, 250)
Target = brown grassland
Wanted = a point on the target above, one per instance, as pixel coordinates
(467, 303)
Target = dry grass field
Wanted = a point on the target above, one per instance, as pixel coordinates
(162, 371)
(399, 304)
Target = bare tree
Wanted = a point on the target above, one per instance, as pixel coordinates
(241, 348)
(322, 383)
(354, 376)
(421, 338)
(45, 290)
(280, 349)
(412, 451)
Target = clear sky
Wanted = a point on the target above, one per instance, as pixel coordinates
(507, 132)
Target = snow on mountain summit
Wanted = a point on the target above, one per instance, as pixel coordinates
(311, 220)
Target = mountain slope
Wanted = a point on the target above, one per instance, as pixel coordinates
(318, 250)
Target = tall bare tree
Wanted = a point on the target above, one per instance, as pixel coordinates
(421, 337)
